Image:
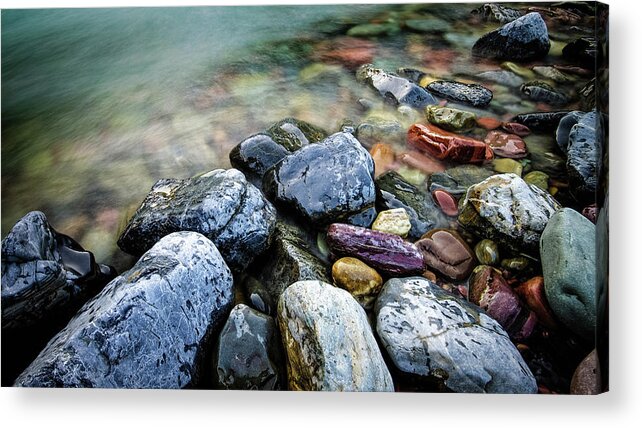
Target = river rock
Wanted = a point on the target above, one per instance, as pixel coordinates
(446, 252)
(45, 274)
(329, 343)
(496, 12)
(222, 205)
(292, 134)
(457, 180)
(506, 145)
(450, 119)
(357, 278)
(382, 251)
(487, 252)
(395, 221)
(523, 39)
(375, 130)
(586, 378)
(394, 88)
(436, 340)
(567, 250)
(532, 293)
(508, 210)
(502, 77)
(516, 128)
(566, 123)
(542, 92)
(446, 202)
(472, 94)
(507, 166)
(395, 192)
(248, 352)
(537, 179)
(255, 155)
(541, 121)
(326, 182)
(488, 289)
(148, 328)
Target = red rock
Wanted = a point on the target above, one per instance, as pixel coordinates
(350, 52)
(590, 212)
(506, 145)
(383, 156)
(423, 163)
(489, 123)
(516, 128)
(532, 293)
(586, 379)
(446, 202)
(447, 253)
(442, 144)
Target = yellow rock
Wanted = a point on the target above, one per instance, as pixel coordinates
(359, 279)
(395, 221)
(506, 165)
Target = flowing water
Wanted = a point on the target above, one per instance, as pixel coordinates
(98, 104)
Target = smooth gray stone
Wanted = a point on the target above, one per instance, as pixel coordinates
(568, 254)
(148, 328)
(584, 156)
(248, 354)
(329, 343)
(440, 341)
(222, 205)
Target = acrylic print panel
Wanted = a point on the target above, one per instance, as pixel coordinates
(407, 197)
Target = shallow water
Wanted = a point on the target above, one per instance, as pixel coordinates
(98, 104)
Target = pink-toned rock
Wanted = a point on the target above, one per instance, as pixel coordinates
(446, 202)
(516, 128)
(447, 253)
(587, 379)
(506, 145)
(423, 163)
(590, 212)
(350, 52)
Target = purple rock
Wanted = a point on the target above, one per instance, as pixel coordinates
(488, 289)
(382, 251)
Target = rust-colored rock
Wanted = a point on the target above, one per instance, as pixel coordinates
(447, 145)
(423, 163)
(506, 145)
(447, 253)
(532, 293)
(383, 156)
(489, 123)
(350, 52)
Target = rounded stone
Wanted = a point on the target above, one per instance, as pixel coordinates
(395, 221)
(586, 378)
(447, 253)
(537, 178)
(506, 145)
(487, 252)
(446, 202)
(450, 119)
(507, 166)
(357, 278)
(532, 293)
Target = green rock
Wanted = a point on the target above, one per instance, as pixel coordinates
(395, 221)
(450, 119)
(373, 30)
(412, 176)
(568, 254)
(520, 71)
(537, 178)
(294, 134)
(506, 165)
(516, 264)
(487, 252)
(428, 25)
(553, 74)
(458, 179)
(318, 72)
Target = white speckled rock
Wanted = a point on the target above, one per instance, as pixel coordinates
(328, 341)
(148, 327)
(508, 210)
(436, 339)
(395, 221)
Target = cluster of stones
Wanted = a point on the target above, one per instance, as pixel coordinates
(313, 265)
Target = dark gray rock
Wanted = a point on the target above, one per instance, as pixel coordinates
(45, 273)
(255, 155)
(148, 328)
(472, 94)
(395, 89)
(523, 39)
(508, 210)
(502, 77)
(325, 182)
(221, 205)
(496, 12)
(395, 192)
(248, 353)
(567, 251)
(458, 179)
(293, 134)
(584, 51)
(542, 92)
(440, 342)
(541, 121)
(564, 127)
(329, 343)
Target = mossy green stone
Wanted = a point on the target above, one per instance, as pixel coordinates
(506, 165)
(537, 178)
(450, 119)
(293, 134)
(372, 30)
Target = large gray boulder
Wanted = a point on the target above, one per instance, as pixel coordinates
(329, 343)
(438, 341)
(148, 328)
(221, 204)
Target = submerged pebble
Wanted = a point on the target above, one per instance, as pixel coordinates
(473, 94)
(357, 278)
(395, 221)
(446, 252)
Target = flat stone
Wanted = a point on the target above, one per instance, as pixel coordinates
(544, 93)
(508, 210)
(395, 221)
(507, 166)
(465, 93)
(567, 250)
(450, 119)
(329, 343)
(394, 88)
(458, 179)
(148, 328)
(446, 252)
(325, 182)
(222, 205)
(541, 121)
(446, 202)
(506, 145)
(357, 278)
(537, 179)
(502, 77)
(440, 342)
(248, 353)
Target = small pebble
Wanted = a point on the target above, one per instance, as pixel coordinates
(507, 166)
(487, 252)
(446, 202)
(538, 179)
(395, 221)
(359, 279)
(516, 128)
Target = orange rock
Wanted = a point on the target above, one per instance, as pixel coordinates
(424, 163)
(383, 156)
(489, 123)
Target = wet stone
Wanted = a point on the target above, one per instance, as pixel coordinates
(507, 166)
(450, 119)
(541, 121)
(487, 252)
(553, 74)
(395, 221)
(472, 94)
(516, 128)
(329, 343)
(255, 155)
(506, 145)
(542, 92)
(374, 30)
(385, 252)
(516, 264)
(383, 156)
(509, 211)
(377, 130)
(148, 328)
(395, 192)
(488, 289)
(502, 77)
(222, 205)
(446, 252)
(325, 182)
(439, 342)
(523, 39)
(538, 179)
(567, 250)
(457, 180)
(45, 274)
(496, 12)
(428, 24)
(293, 134)
(446, 202)
(445, 145)
(586, 378)
(489, 123)
(532, 293)
(394, 88)
(591, 212)
(248, 352)
(357, 278)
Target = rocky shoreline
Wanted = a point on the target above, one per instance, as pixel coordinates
(331, 260)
